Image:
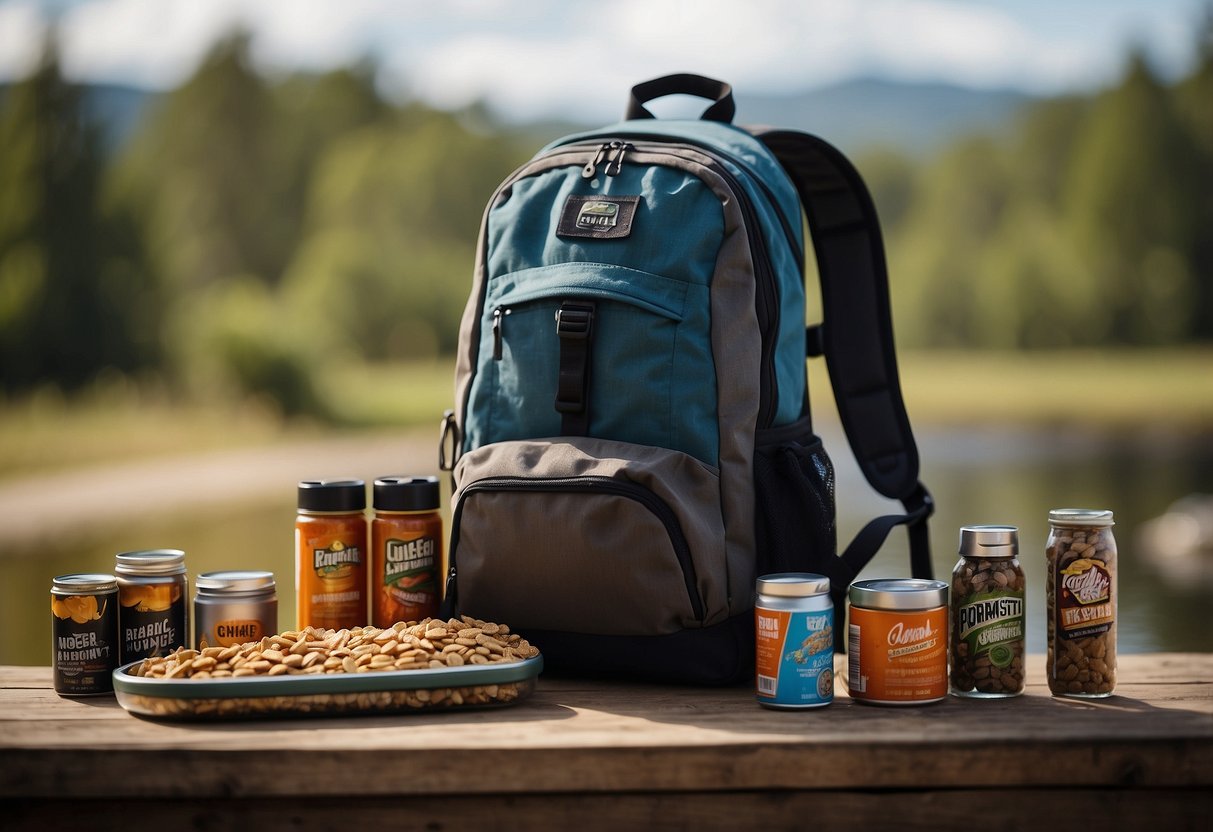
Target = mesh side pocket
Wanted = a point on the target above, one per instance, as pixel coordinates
(794, 489)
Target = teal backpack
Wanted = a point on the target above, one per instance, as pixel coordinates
(632, 443)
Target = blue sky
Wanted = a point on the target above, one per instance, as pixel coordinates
(551, 57)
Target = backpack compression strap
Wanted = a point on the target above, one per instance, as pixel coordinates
(860, 355)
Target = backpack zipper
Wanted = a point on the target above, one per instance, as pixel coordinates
(593, 485)
(498, 335)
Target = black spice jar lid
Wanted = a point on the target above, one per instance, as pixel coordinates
(405, 493)
(332, 495)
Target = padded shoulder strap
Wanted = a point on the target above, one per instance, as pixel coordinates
(857, 331)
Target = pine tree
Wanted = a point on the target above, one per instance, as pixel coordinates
(65, 305)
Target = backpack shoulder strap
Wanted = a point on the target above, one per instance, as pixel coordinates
(856, 336)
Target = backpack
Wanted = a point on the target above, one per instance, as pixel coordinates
(632, 443)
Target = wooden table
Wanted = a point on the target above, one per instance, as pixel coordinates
(588, 755)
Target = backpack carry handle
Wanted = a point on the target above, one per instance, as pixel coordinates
(718, 92)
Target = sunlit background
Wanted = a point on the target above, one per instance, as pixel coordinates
(236, 239)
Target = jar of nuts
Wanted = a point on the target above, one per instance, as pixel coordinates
(1080, 590)
(987, 633)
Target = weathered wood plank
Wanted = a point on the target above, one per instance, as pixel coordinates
(576, 736)
(927, 811)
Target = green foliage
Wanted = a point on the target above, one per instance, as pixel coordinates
(73, 293)
(257, 236)
(304, 222)
(1085, 226)
(230, 342)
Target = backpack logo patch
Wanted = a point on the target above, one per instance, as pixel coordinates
(598, 217)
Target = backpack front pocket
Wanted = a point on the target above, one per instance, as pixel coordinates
(647, 331)
(588, 536)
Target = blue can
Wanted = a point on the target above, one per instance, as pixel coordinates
(794, 640)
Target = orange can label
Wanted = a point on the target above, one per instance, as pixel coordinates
(898, 657)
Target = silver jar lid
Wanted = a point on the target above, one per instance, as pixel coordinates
(151, 562)
(899, 594)
(235, 582)
(82, 582)
(989, 541)
(1080, 517)
(793, 584)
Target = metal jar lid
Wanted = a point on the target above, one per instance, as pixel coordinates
(989, 541)
(151, 562)
(899, 594)
(1080, 517)
(84, 582)
(235, 582)
(793, 584)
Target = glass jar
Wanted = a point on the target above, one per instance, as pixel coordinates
(152, 598)
(987, 632)
(1080, 591)
(406, 550)
(330, 554)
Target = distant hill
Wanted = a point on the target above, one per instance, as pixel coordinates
(855, 115)
(861, 114)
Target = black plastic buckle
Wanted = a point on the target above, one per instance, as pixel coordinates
(920, 504)
(574, 320)
(574, 326)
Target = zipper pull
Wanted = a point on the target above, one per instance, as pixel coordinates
(498, 316)
(591, 168)
(614, 166)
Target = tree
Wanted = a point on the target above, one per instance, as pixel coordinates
(73, 289)
(1130, 201)
(206, 173)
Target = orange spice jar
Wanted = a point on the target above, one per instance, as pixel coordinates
(406, 550)
(330, 554)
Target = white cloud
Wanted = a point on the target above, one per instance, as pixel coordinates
(543, 57)
(21, 33)
(152, 44)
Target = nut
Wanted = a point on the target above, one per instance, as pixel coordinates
(404, 646)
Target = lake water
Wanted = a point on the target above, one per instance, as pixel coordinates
(995, 476)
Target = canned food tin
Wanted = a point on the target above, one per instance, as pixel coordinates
(234, 607)
(84, 624)
(794, 636)
(152, 591)
(897, 641)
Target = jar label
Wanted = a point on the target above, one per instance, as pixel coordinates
(991, 623)
(237, 631)
(330, 574)
(409, 584)
(85, 629)
(151, 619)
(1084, 599)
(795, 656)
(896, 657)
(336, 561)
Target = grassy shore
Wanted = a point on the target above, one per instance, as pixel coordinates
(1112, 390)
(1124, 390)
